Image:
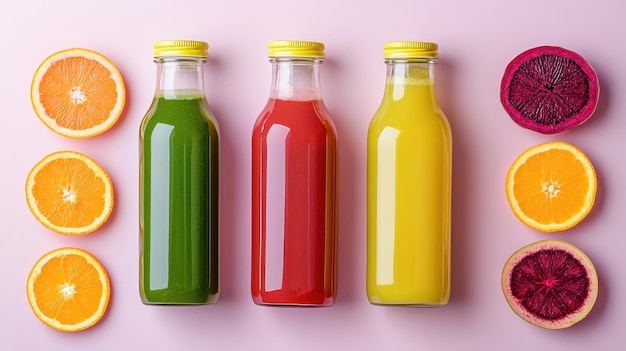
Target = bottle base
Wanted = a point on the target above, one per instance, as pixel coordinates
(289, 304)
(211, 300)
(150, 303)
(409, 304)
(269, 302)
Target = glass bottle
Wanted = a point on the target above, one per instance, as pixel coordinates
(178, 182)
(294, 151)
(409, 150)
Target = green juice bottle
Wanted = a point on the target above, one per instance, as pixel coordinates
(178, 182)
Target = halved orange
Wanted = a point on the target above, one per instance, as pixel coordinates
(551, 186)
(69, 193)
(78, 93)
(68, 289)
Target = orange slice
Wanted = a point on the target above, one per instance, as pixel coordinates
(68, 289)
(69, 193)
(78, 93)
(551, 186)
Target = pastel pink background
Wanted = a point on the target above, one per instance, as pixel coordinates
(476, 38)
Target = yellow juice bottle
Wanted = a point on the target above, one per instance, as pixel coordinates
(409, 149)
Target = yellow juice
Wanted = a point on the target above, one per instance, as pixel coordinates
(408, 194)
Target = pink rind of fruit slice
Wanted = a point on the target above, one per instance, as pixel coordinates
(551, 284)
(549, 90)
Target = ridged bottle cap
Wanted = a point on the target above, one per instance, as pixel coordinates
(181, 48)
(296, 48)
(410, 49)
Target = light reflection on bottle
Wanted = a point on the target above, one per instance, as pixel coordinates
(159, 206)
(275, 214)
(386, 205)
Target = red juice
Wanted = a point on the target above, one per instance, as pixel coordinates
(294, 205)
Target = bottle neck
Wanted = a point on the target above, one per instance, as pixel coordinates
(296, 79)
(410, 76)
(177, 76)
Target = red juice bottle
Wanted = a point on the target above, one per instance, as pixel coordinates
(294, 152)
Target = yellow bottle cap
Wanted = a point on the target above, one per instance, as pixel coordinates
(296, 48)
(410, 49)
(181, 48)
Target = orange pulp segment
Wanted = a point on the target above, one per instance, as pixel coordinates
(78, 93)
(68, 289)
(69, 193)
(551, 186)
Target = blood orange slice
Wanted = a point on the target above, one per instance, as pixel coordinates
(551, 284)
(549, 90)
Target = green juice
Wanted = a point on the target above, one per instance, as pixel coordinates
(179, 161)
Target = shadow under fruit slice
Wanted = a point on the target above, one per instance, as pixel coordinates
(549, 90)
(68, 289)
(551, 284)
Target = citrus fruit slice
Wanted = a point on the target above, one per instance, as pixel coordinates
(69, 193)
(549, 89)
(68, 289)
(78, 93)
(551, 186)
(551, 284)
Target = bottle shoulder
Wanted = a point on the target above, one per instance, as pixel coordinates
(294, 112)
(412, 114)
(181, 113)
(302, 117)
(409, 120)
